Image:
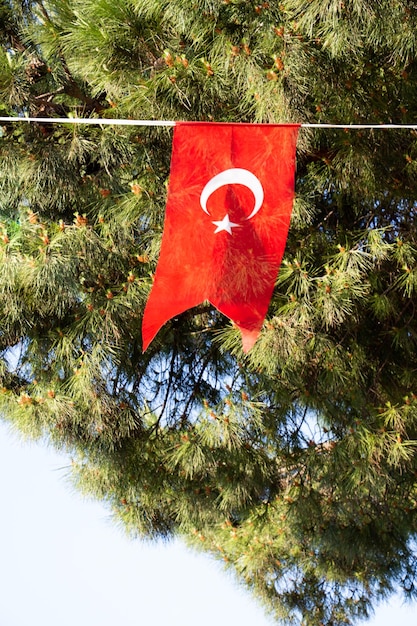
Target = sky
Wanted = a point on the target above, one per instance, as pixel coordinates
(63, 562)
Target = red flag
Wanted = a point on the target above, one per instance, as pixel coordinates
(228, 210)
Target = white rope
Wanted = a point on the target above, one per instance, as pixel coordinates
(359, 126)
(88, 120)
(125, 122)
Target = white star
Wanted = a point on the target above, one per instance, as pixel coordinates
(225, 224)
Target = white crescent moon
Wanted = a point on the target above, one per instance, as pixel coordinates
(238, 176)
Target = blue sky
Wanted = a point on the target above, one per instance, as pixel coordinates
(63, 562)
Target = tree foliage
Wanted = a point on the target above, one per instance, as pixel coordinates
(295, 464)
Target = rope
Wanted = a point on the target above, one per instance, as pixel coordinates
(125, 122)
(88, 120)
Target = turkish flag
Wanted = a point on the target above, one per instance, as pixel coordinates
(228, 211)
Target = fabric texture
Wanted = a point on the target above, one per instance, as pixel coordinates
(228, 211)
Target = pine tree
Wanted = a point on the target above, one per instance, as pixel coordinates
(295, 463)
